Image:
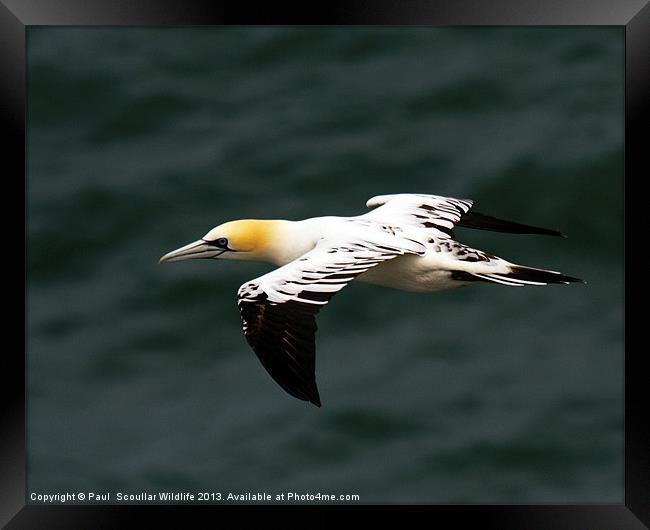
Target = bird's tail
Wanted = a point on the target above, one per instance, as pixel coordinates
(519, 275)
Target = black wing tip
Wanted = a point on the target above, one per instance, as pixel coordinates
(548, 232)
(571, 279)
(554, 232)
(551, 232)
(301, 393)
(477, 220)
(534, 230)
(310, 397)
(314, 396)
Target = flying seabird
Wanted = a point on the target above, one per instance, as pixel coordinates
(406, 242)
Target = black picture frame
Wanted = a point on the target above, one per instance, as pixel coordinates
(632, 16)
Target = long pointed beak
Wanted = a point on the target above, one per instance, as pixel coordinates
(196, 250)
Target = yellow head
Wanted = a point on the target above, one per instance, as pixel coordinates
(248, 239)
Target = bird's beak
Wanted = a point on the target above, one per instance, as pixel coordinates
(198, 250)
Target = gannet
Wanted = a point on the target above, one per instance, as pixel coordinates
(406, 242)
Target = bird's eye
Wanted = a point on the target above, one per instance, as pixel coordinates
(221, 242)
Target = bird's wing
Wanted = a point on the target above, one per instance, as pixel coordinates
(433, 213)
(278, 309)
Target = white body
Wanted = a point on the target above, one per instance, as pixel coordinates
(419, 274)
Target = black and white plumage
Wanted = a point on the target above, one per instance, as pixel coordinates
(406, 242)
(278, 309)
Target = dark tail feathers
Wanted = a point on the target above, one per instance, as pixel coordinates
(518, 276)
(529, 274)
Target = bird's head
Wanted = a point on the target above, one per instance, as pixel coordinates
(248, 239)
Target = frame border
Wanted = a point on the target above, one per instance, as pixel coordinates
(633, 16)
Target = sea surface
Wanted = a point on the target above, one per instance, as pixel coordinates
(139, 378)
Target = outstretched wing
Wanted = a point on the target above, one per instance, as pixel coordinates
(434, 213)
(278, 309)
(441, 214)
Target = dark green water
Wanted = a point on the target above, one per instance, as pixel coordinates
(140, 140)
